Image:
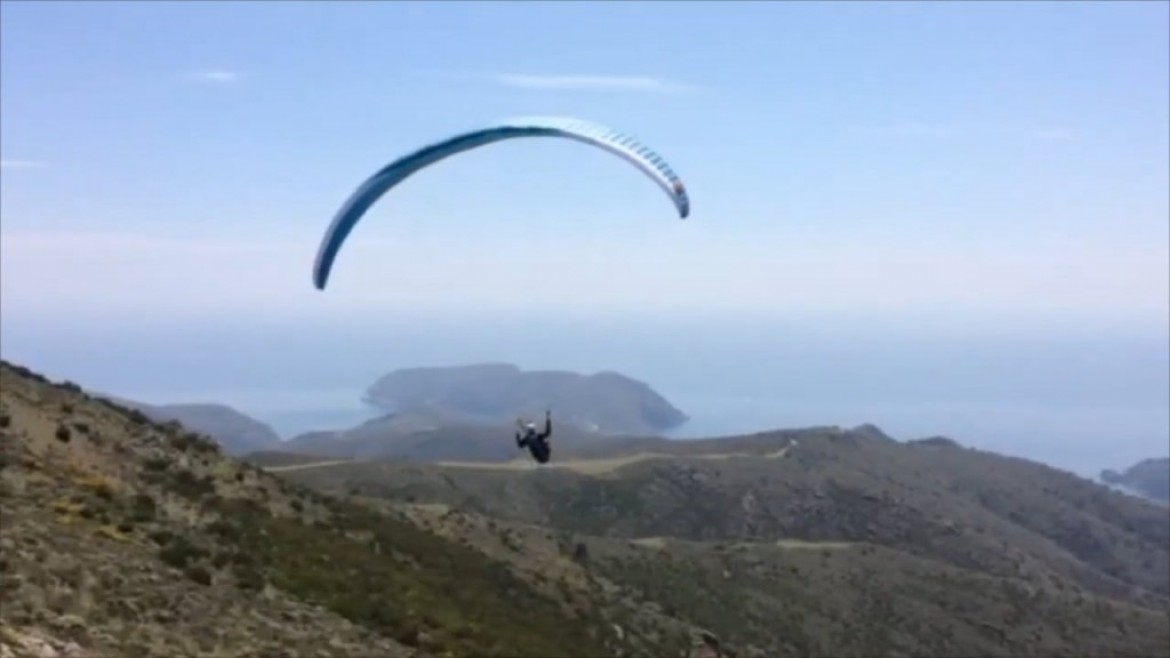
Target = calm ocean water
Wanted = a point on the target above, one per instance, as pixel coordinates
(1077, 397)
(1066, 437)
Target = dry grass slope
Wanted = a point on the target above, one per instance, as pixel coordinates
(126, 537)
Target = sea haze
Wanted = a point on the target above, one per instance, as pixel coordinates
(1071, 394)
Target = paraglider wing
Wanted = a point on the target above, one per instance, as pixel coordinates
(649, 162)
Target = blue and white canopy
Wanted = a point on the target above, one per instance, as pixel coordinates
(628, 148)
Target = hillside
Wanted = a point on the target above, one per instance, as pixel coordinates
(1149, 478)
(126, 537)
(123, 536)
(797, 598)
(238, 433)
(931, 549)
(606, 402)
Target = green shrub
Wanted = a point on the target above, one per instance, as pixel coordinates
(248, 578)
(224, 530)
(188, 485)
(161, 537)
(143, 508)
(156, 464)
(180, 552)
(198, 574)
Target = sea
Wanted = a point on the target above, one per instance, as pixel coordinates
(1081, 398)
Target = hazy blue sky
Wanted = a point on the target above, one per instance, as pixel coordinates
(973, 157)
(997, 168)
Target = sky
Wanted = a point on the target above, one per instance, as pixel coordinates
(985, 171)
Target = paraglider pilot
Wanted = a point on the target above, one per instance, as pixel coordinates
(536, 442)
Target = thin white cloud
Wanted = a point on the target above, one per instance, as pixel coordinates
(592, 83)
(217, 76)
(600, 83)
(21, 164)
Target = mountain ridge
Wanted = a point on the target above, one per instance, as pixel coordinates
(233, 429)
(1149, 478)
(820, 484)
